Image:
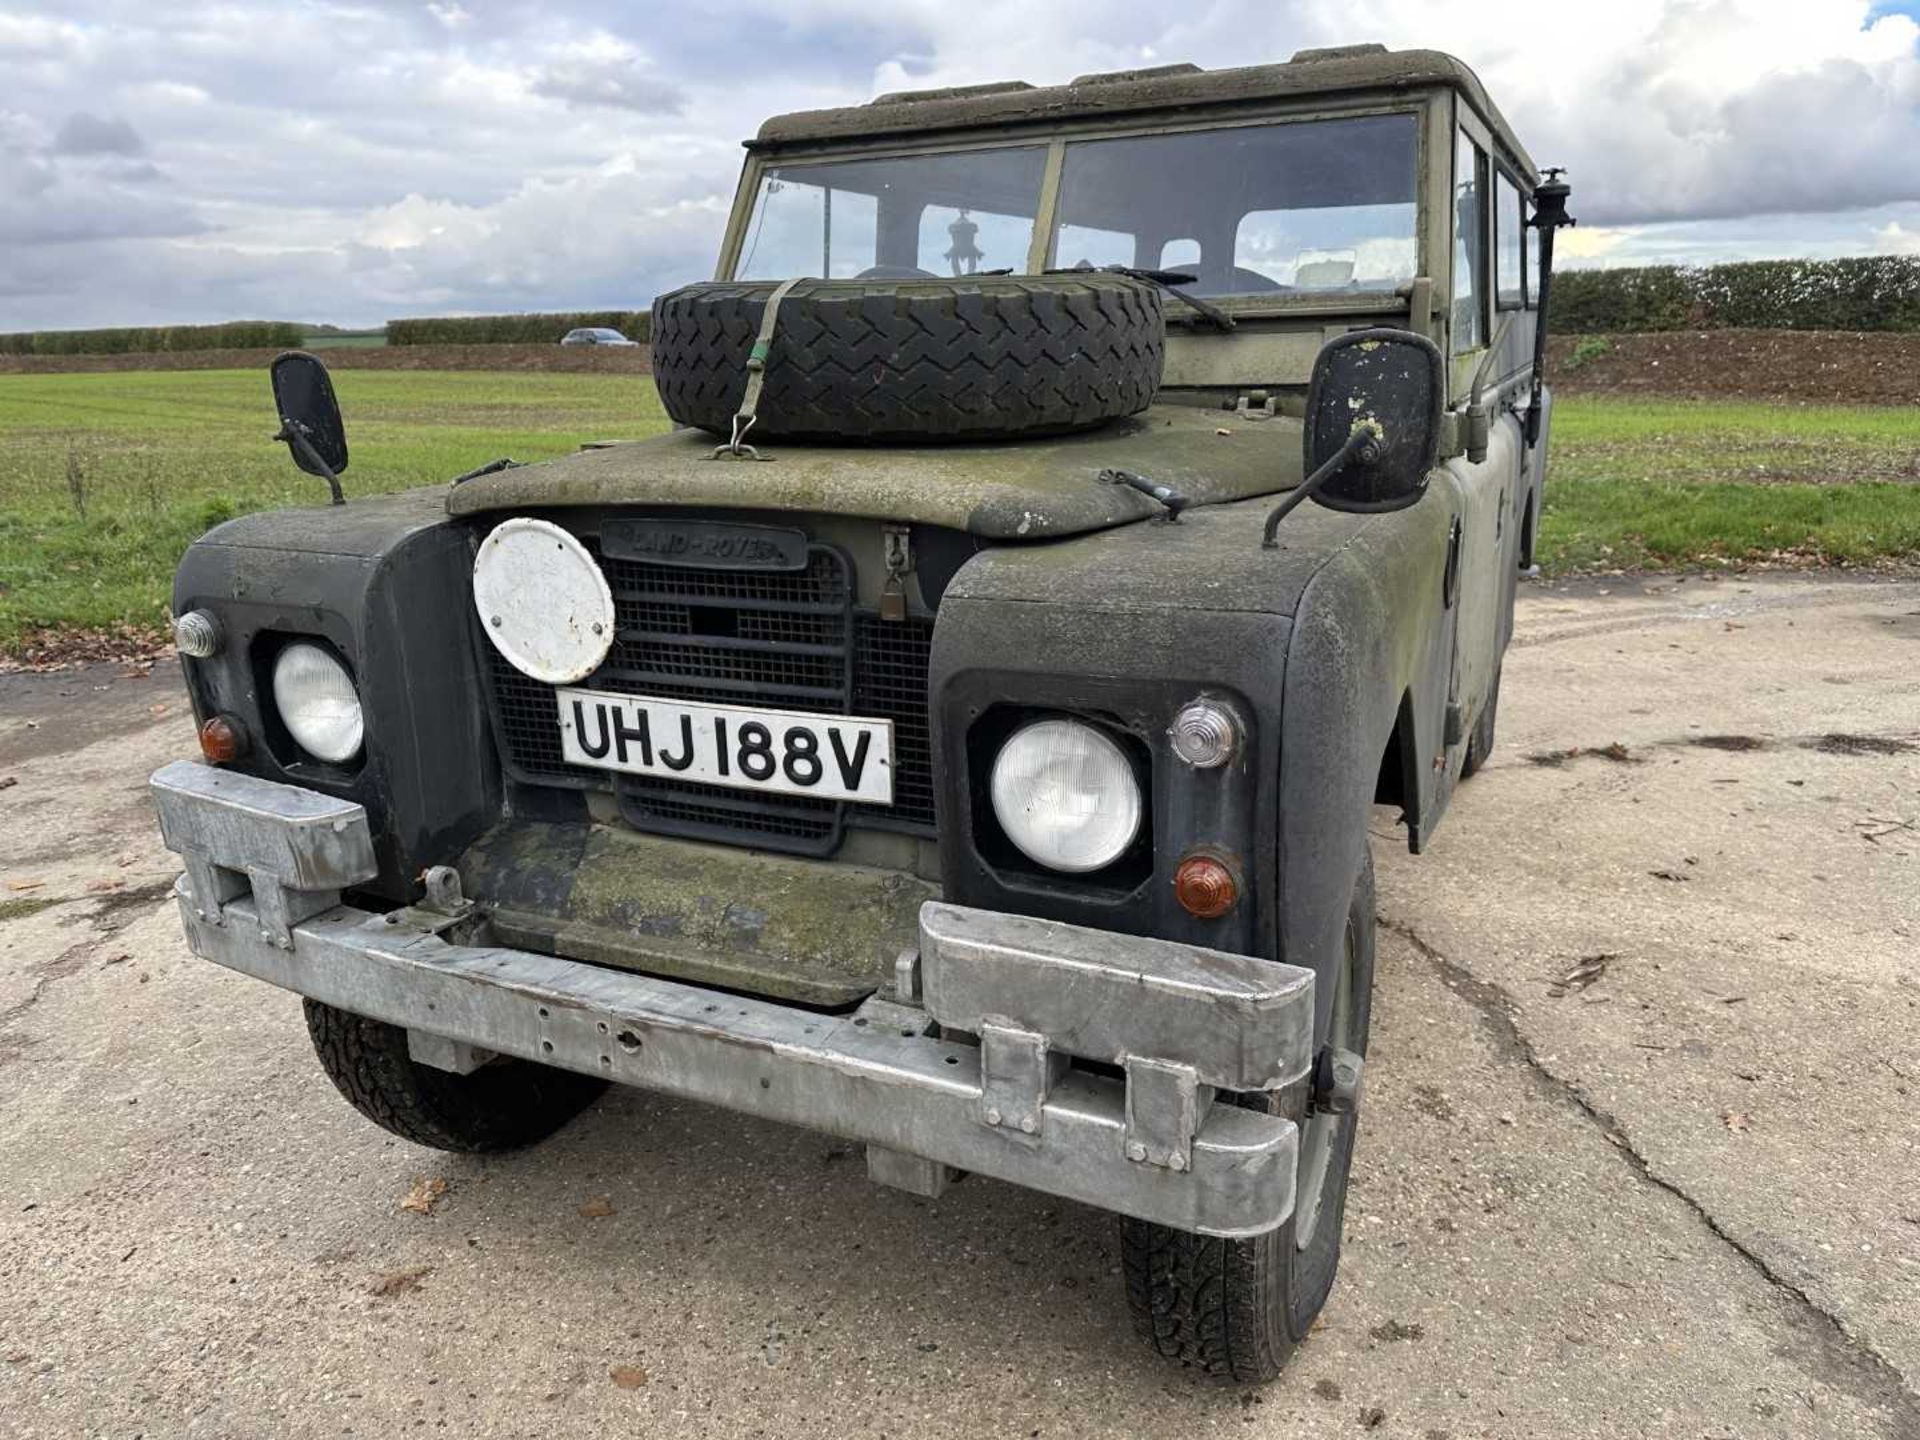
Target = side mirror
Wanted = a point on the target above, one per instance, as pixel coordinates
(1372, 425)
(310, 422)
(1396, 379)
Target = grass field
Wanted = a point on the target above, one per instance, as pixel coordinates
(106, 478)
(1636, 484)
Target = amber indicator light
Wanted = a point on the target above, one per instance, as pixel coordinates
(1204, 887)
(222, 740)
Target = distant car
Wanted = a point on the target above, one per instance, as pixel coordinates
(597, 335)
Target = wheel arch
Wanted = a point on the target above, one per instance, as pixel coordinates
(1397, 782)
(1364, 711)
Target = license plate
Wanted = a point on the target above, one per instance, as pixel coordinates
(833, 757)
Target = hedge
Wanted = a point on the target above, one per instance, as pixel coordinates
(516, 329)
(1874, 292)
(153, 339)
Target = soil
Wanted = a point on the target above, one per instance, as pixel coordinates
(356, 357)
(1795, 367)
(1789, 367)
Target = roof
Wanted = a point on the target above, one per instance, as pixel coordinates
(1343, 70)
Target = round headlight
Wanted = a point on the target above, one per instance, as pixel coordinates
(1065, 795)
(317, 703)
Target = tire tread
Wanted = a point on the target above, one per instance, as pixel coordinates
(980, 358)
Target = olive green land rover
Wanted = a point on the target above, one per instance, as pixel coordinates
(956, 735)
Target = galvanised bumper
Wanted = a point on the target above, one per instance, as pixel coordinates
(1143, 1136)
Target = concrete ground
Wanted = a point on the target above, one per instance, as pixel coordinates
(1640, 1154)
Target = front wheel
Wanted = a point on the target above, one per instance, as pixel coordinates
(1238, 1307)
(501, 1106)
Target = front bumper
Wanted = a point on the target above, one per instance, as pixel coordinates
(1169, 1025)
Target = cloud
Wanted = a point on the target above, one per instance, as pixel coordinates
(1893, 238)
(86, 182)
(351, 161)
(617, 81)
(84, 134)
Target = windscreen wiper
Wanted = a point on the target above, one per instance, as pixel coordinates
(1166, 280)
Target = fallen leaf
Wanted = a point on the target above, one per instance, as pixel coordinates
(628, 1377)
(1372, 1417)
(1736, 1120)
(25, 884)
(1223, 431)
(159, 710)
(102, 887)
(598, 1208)
(7, 782)
(119, 959)
(1585, 972)
(424, 1195)
(399, 1282)
(1395, 1330)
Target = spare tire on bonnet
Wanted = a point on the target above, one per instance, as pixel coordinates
(977, 358)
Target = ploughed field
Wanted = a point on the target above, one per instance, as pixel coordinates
(106, 477)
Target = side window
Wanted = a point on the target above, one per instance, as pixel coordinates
(1510, 253)
(1533, 262)
(1469, 247)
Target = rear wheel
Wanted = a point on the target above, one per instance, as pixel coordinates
(1480, 742)
(500, 1106)
(1238, 1307)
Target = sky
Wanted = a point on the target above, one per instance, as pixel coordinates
(177, 161)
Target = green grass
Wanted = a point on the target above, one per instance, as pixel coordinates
(159, 456)
(1605, 437)
(1639, 484)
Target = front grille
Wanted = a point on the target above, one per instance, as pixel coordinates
(788, 640)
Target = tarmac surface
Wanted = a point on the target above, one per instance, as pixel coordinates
(1640, 1151)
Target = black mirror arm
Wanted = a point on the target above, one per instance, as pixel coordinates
(1362, 445)
(1549, 215)
(294, 435)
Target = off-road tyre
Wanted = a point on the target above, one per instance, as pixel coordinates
(1237, 1308)
(897, 361)
(500, 1106)
(1480, 741)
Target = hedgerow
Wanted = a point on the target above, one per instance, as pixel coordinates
(154, 339)
(515, 329)
(1872, 292)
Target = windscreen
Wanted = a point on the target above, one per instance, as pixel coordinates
(1310, 207)
(1307, 207)
(942, 214)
